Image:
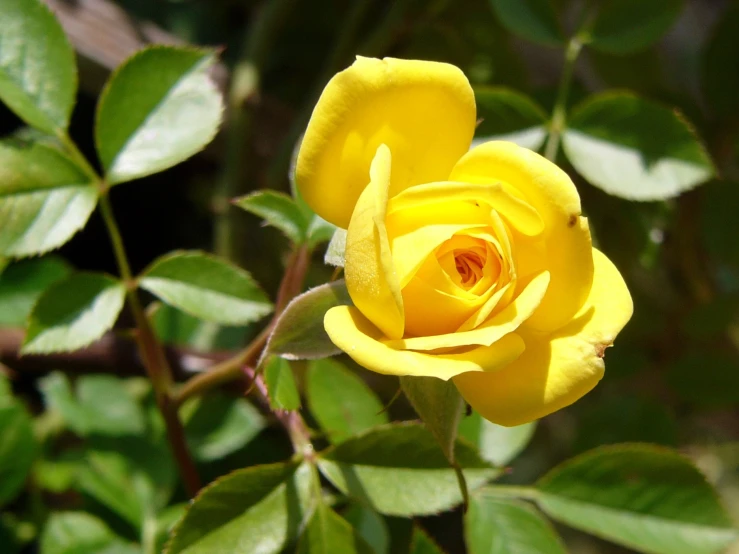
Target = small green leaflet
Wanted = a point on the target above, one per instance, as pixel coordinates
(283, 392)
(278, 210)
(533, 20)
(329, 533)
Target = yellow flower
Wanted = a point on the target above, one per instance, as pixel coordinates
(474, 265)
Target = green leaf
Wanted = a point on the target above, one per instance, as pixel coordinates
(44, 198)
(22, 283)
(336, 248)
(533, 20)
(440, 406)
(81, 533)
(643, 497)
(506, 114)
(259, 509)
(720, 67)
(18, 448)
(497, 444)
(158, 109)
(283, 392)
(206, 287)
(329, 533)
(626, 26)
(217, 425)
(102, 405)
(370, 525)
(400, 470)
(635, 149)
(173, 326)
(73, 313)
(499, 526)
(320, 231)
(340, 401)
(38, 78)
(421, 543)
(299, 333)
(278, 210)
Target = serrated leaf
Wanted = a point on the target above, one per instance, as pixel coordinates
(283, 392)
(336, 248)
(217, 425)
(641, 496)
(81, 533)
(421, 543)
(533, 20)
(278, 210)
(635, 149)
(509, 115)
(625, 26)
(18, 448)
(400, 470)
(207, 287)
(299, 332)
(257, 509)
(499, 526)
(102, 405)
(44, 198)
(38, 77)
(22, 283)
(73, 313)
(440, 406)
(370, 525)
(497, 444)
(158, 109)
(329, 533)
(340, 401)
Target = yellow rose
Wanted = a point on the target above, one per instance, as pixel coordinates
(474, 265)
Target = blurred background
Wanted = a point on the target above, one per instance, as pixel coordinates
(672, 377)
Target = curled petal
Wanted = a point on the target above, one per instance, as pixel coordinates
(556, 369)
(370, 273)
(424, 111)
(355, 335)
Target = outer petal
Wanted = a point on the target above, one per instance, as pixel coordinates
(558, 369)
(566, 235)
(370, 273)
(424, 112)
(355, 335)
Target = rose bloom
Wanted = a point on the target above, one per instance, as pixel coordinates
(472, 265)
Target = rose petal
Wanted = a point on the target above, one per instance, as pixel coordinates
(354, 334)
(504, 322)
(424, 111)
(566, 235)
(370, 273)
(557, 369)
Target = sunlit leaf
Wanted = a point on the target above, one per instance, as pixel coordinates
(278, 210)
(81, 533)
(497, 444)
(283, 392)
(329, 533)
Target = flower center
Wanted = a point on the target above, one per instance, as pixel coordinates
(469, 265)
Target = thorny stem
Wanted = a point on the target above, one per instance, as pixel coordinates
(559, 114)
(150, 349)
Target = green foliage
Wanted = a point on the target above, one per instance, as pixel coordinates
(206, 287)
(277, 210)
(257, 509)
(81, 533)
(22, 283)
(217, 425)
(641, 496)
(158, 109)
(499, 526)
(328, 532)
(44, 198)
(440, 406)
(634, 148)
(341, 402)
(497, 444)
(283, 392)
(625, 26)
(421, 543)
(533, 20)
(18, 446)
(400, 470)
(299, 332)
(336, 247)
(370, 526)
(73, 312)
(506, 114)
(38, 79)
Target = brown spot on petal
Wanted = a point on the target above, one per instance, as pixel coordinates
(600, 349)
(573, 220)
